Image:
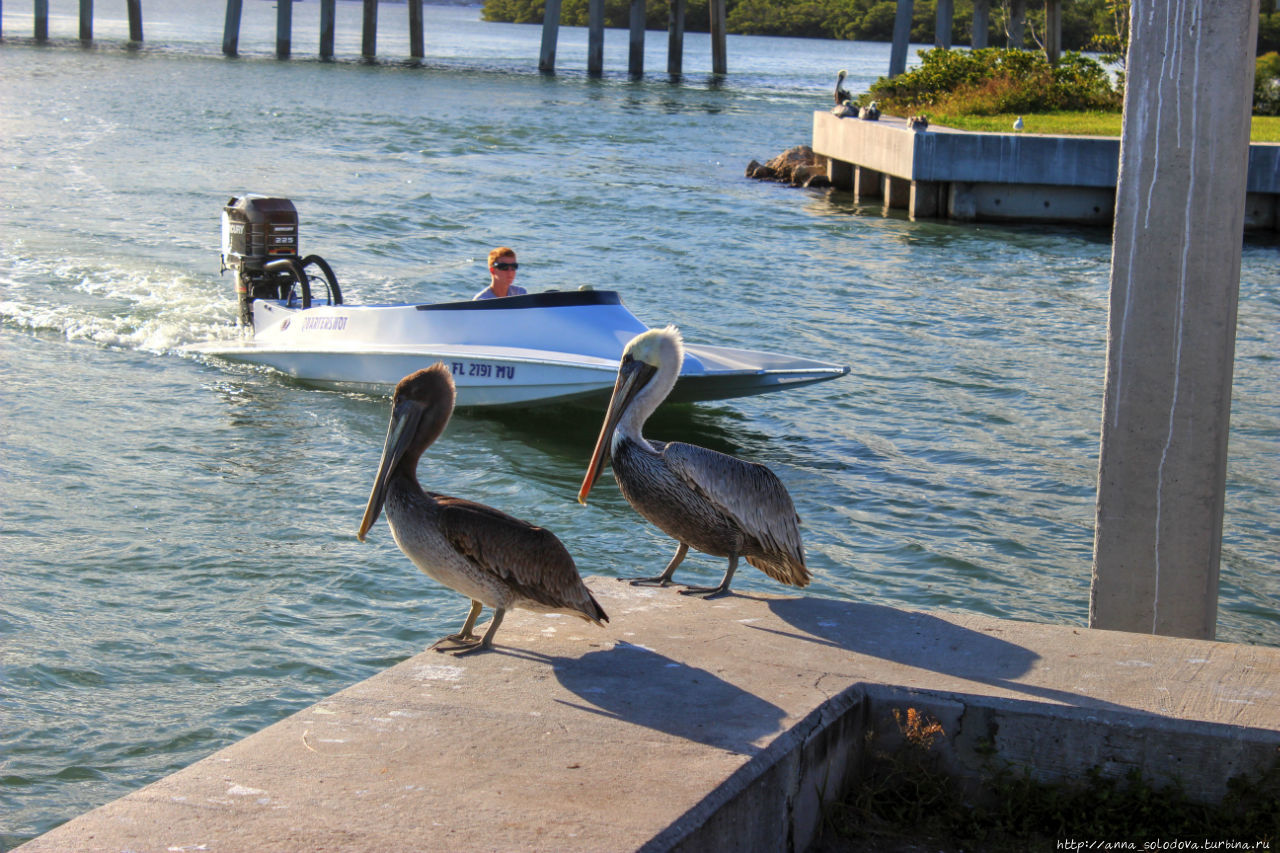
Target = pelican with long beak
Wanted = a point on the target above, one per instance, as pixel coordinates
(841, 94)
(706, 500)
(487, 555)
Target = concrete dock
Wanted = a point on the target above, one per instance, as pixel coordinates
(696, 725)
(943, 173)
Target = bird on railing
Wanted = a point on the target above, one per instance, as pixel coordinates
(920, 122)
(871, 112)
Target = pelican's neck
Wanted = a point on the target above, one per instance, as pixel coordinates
(644, 404)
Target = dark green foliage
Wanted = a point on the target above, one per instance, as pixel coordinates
(1266, 85)
(993, 82)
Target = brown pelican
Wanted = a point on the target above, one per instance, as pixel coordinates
(486, 555)
(711, 501)
(871, 112)
(842, 94)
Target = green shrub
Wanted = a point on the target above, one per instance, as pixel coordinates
(1266, 85)
(993, 81)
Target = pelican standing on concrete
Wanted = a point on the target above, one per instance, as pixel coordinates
(711, 501)
(487, 555)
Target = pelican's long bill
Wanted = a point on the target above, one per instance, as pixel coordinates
(633, 376)
(401, 431)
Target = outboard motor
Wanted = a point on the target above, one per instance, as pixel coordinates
(260, 245)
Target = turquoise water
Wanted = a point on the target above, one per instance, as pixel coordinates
(179, 564)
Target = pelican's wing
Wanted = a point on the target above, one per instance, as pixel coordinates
(748, 492)
(528, 558)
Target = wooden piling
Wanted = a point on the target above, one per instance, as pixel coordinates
(675, 37)
(86, 20)
(719, 53)
(635, 57)
(327, 14)
(417, 50)
(595, 37)
(135, 20)
(369, 39)
(231, 28)
(550, 36)
(284, 28)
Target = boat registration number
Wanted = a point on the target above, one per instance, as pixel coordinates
(481, 370)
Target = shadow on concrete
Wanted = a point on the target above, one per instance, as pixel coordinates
(925, 642)
(639, 686)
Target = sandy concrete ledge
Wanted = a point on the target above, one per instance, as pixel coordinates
(694, 725)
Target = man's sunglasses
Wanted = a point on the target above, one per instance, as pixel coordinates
(506, 265)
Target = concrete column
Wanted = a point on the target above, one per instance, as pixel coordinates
(719, 49)
(840, 174)
(135, 20)
(927, 200)
(942, 23)
(417, 46)
(675, 37)
(981, 21)
(369, 32)
(230, 28)
(896, 192)
(595, 37)
(1052, 30)
(327, 15)
(86, 20)
(867, 183)
(41, 28)
(1175, 275)
(635, 57)
(284, 29)
(550, 37)
(901, 37)
(1017, 21)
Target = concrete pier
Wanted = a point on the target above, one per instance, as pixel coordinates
(696, 725)
(1010, 177)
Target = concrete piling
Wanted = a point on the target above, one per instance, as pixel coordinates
(635, 56)
(550, 35)
(369, 31)
(41, 10)
(1175, 277)
(901, 36)
(675, 37)
(719, 47)
(595, 37)
(86, 20)
(417, 47)
(135, 20)
(231, 28)
(327, 15)
(284, 28)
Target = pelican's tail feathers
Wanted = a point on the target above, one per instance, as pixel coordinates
(784, 569)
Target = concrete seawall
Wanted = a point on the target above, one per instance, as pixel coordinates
(943, 173)
(696, 725)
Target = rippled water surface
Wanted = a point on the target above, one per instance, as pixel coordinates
(179, 566)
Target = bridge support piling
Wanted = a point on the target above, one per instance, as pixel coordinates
(635, 56)
(719, 50)
(417, 46)
(369, 32)
(595, 37)
(901, 37)
(675, 37)
(981, 23)
(550, 37)
(86, 20)
(943, 19)
(327, 14)
(231, 28)
(1175, 280)
(42, 20)
(135, 20)
(284, 28)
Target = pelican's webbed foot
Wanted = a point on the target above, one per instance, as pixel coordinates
(664, 578)
(713, 591)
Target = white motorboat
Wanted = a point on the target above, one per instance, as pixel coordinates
(518, 351)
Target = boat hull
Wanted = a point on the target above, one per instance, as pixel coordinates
(545, 349)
